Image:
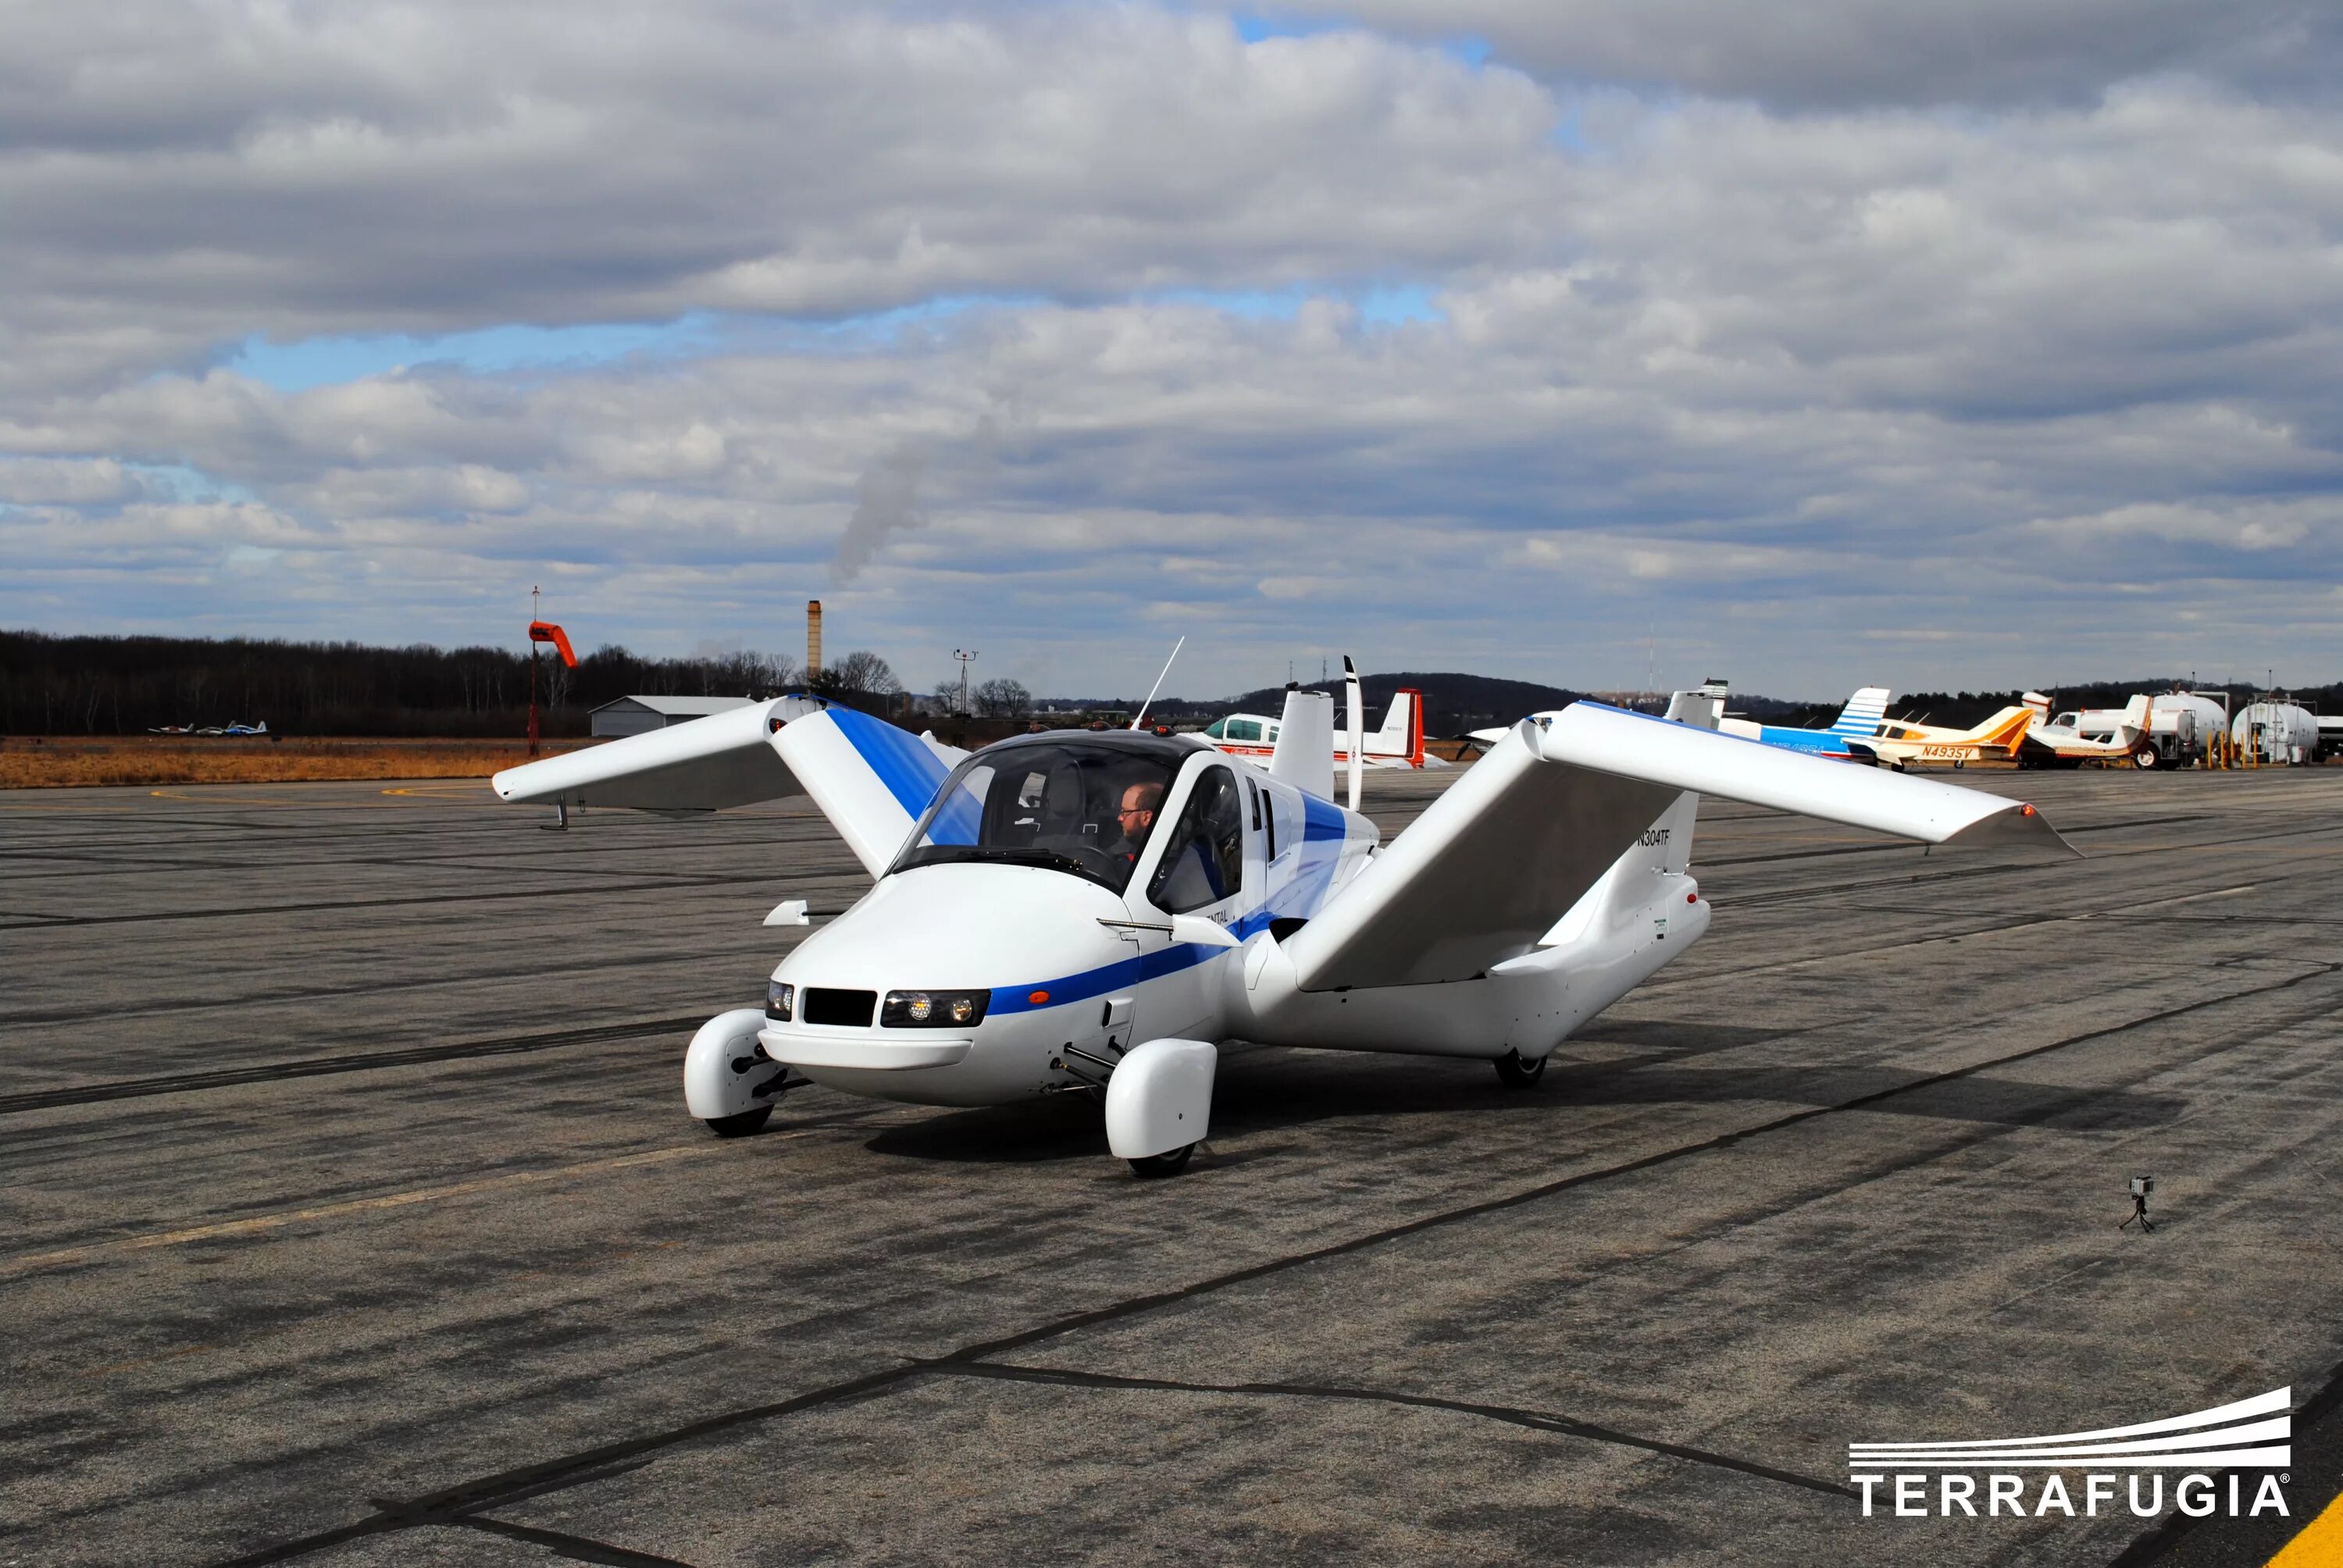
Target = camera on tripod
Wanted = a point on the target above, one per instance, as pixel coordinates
(2141, 1186)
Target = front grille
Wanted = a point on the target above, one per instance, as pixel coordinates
(851, 1007)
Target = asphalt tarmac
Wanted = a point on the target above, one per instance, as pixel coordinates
(352, 1215)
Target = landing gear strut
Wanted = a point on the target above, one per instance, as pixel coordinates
(1515, 1073)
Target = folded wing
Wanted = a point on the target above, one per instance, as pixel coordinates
(870, 778)
(1500, 856)
(709, 764)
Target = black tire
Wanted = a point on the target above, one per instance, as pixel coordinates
(1515, 1073)
(1154, 1166)
(740, 1125)
(2146, 756)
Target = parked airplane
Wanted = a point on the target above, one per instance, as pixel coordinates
(1899, 743)
(2047, 745)
(1074, 910)
(1399, 743)
(259, 728)
(1859, 718)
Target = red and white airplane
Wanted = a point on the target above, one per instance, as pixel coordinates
(1398, 744)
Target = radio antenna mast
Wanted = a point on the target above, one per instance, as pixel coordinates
(1151, 690)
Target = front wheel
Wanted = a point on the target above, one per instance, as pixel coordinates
(1151, 1167)
(2144, 757)
(740, 1125)
(1514, 1072)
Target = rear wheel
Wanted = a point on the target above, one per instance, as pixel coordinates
(739, 1125)
(1149, 1167)
(2144, 757)
(1514, 1072)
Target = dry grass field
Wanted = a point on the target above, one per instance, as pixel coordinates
(38, 762)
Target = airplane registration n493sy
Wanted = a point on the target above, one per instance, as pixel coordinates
(1095, 912)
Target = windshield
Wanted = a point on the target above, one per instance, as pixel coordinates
(1066, 805)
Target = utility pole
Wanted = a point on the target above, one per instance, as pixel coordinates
(966, 658)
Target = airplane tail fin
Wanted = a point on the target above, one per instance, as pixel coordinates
(1861, 716)
(1402, 735)
(1703, 707)
(2003, 729)
(1304, 753)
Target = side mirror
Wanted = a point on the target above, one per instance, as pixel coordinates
(1204, 933)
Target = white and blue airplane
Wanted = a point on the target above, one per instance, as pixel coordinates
(1858, 720)
(1076, 911)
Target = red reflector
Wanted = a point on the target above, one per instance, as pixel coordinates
(1692, 898)
(2025, 810)
(1037, 998)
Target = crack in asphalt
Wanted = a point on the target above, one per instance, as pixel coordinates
(1535, 1419)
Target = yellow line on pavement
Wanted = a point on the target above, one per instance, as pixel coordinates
(353, 1206)
(2320, 1545)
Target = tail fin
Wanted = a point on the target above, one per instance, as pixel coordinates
(1703, 707)
(2004, 728)
(1401, 734)
(1861, 716)
(1304, 753)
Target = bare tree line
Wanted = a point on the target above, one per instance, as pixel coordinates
(128, 685)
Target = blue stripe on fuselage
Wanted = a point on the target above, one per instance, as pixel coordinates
(1098, 981)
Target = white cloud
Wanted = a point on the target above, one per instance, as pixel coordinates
(1841, 53)
(1810, 369)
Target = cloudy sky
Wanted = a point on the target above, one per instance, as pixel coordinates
(1850, 341)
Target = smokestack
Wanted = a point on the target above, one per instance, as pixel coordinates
(813, 638)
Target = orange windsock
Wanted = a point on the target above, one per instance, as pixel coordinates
(546, 631)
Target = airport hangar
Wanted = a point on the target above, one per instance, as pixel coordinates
(353, 1217)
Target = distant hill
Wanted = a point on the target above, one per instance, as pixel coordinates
(1452, 702)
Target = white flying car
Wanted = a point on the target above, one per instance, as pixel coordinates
(1095, 912)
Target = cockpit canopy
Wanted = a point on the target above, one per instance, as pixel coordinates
(1058, 804)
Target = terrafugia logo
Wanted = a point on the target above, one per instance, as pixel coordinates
(2251, 1435)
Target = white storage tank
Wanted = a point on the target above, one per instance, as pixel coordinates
(2277, 732)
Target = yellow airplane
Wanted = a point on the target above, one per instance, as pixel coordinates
(1898, 744)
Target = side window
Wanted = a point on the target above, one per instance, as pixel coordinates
(1203, 860)
(1243, 729)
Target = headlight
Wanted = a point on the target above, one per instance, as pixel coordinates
(933, 1008)
(780, 1000)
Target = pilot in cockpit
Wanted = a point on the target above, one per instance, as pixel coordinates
(1136, 815)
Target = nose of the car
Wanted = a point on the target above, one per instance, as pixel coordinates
(965, 927)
